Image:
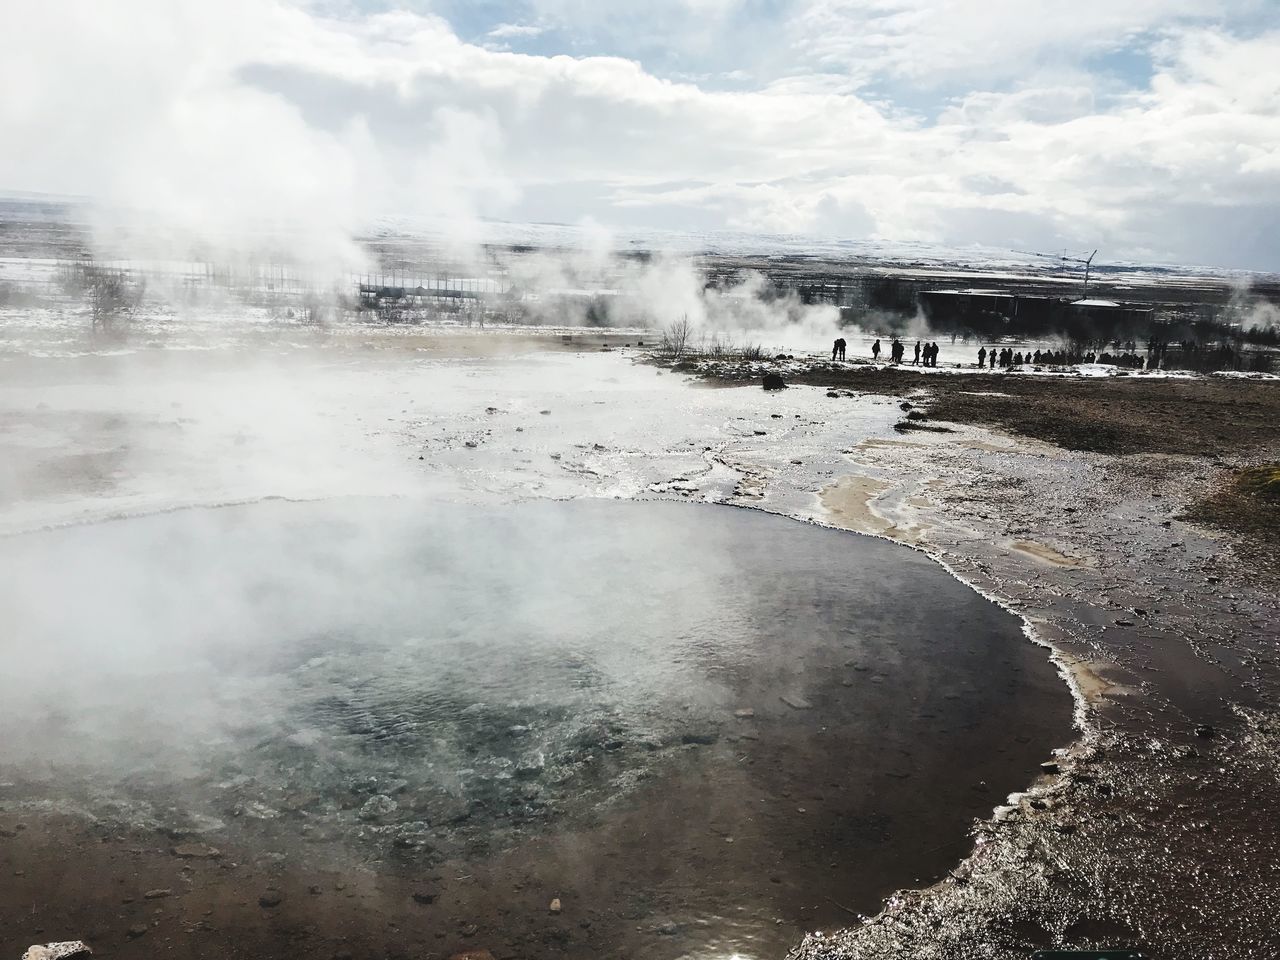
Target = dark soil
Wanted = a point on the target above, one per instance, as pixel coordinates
(1113, 415)
(1247, 505)
(1233, 422)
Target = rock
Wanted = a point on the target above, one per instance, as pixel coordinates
(468, 930)
(746, 713)
(196, 851)
(1205, 731)
(904, 405)
(58, 951)
(1049, 767)
(832, 394)
(555, 906)
(137, 930)
(424, 898)
(377, 807)
(531, 765)
(796, 702)
(270, 899)
(315, 889)
(545, 413)
(1124, 623)
(773, 381)
(157, 894)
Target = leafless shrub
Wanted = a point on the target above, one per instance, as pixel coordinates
(113, 295)
(675, 338)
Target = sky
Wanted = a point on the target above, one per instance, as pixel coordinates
(1147, 128)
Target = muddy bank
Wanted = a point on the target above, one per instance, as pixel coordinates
(1076, 509)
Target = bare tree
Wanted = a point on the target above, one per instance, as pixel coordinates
(113, 297)
(675, 338)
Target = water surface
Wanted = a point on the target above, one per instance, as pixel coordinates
(705, 729)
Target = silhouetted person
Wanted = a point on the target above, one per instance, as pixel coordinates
(875, 350)
(916, 361)
(933, 354)
(982, 357)
(837, 350)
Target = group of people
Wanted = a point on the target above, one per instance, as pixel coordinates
(1008, 357)
(926, 353)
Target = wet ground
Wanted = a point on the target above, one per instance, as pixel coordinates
(1169, 637)
(704, 730)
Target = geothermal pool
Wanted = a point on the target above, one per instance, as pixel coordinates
(705, 730)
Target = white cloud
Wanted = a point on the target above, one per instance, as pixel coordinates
(515, 31)
(267, 111)
(987, 41)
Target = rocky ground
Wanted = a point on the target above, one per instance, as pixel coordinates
(1128, 520)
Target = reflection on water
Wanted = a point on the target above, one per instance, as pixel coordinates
(744, 706)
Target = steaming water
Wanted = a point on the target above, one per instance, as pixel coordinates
(424, 680)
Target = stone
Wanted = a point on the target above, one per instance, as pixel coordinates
(746, 713)
(57, 951)
(270, 899)
(196, 851)
(1205, 731)
(1049, 767)
(700, 739)
(157, 894)
(773, 381)
(555, 906)
(531, 765)
(137, 930)
(795, 701)
(424, 898)
(377, 807)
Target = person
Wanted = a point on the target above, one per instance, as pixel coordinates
(982, 357)
(916, 361)
(875, 350)
(992, 357)
(933, 354)
(837, 349)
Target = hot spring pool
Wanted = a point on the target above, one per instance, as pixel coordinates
(711, 728)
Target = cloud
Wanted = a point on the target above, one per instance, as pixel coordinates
(988, 41)
(515, 31)
(270, 112)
